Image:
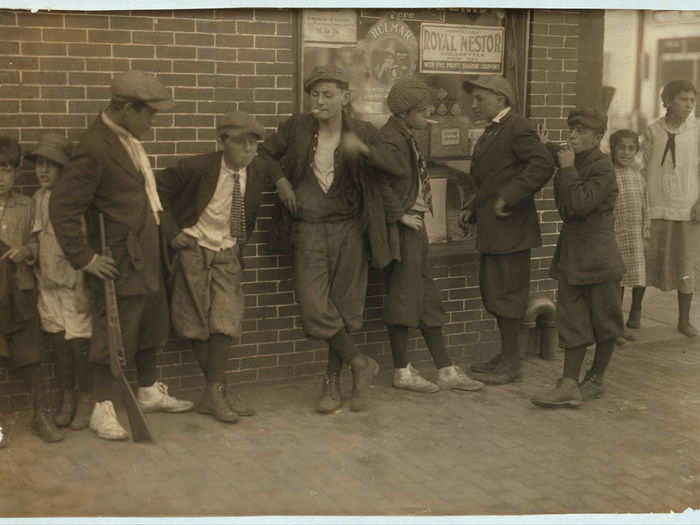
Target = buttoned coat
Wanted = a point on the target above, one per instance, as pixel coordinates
(587, 251)
(102, 178)
(509, 161)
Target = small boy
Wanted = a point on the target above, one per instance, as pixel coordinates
(63, 302)
(413, 299)
(213, 199)
(20, 331)
(587, 261)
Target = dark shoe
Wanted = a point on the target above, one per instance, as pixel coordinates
(592, 386)
(83, 411)
(363, 374)
(502, 374)
(484, 367)
(237, 403)
(687, 329)
(565, 394)
(330, 399)
(629, 336)
(214, 403)
(43, 427)
(635, 319)
(63, 417)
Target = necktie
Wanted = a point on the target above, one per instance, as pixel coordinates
(670, 146)
(237, 208)
(423, 174)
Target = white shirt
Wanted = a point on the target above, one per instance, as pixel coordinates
(213, 229)
(324, 162)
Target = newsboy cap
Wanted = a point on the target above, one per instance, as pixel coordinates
(52, 146)
(239, 123)
(328, 73)
(494, 83)
(137, 86)
(588, 118)
(408, 94)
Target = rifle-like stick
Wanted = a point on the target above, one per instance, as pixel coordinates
(117, 357)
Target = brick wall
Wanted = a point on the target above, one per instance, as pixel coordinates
(55, 69)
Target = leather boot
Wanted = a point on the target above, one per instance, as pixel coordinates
(42, 423)
(330, 399)
(592, 386)
(83, 411)
(214, 403)
(43, 427)
(237, 403)
(66, 379)
(484, 367)
(364, 369)
(565, 394)
(505, 372)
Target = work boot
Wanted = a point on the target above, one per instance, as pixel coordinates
(237, 403)
(43, 426)
(687, 329)
(63, 417)
(3, 437)
(565, 394)
(484, 367)
(105, 424)
(83, 411)
(410, 379)
(453, 378)
(505, 372)
(155, 398)
(364, 369)
(214, 403)
(330, 399)
(592, 386)
(635, 319)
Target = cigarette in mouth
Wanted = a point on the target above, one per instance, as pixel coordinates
(429, 121)
(315, 111)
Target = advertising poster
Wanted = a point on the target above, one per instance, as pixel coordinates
(461, 49)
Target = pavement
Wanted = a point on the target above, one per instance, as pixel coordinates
(491, 452)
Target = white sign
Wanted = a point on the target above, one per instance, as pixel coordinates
(330, 25)
(460, 49)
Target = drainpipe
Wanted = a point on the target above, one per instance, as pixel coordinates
(541, 315)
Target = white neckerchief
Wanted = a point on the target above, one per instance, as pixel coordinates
(138, 156)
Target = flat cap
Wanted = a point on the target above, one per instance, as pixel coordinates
(328, 73)
(52, 146)
(495, 83)
(408, 94)
(239, 123)
(588, 118)
(137, 86)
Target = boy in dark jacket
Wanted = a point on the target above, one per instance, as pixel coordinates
(413, 299)
(20, 329)
(587, 262)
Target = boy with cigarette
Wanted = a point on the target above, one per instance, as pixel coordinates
(587, 261)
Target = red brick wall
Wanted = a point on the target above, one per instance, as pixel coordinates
(55, 69)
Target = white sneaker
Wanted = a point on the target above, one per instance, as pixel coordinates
(155, 398)
(410, 379)
(454, 378)
(105, 424)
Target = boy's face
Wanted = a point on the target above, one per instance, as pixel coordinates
(7, 178)
(486, 104)
(327, 100)
(239, 151)
(625, 151)
(46, 172)
(582, 138)
(138, 120)
(682, 105)
(416, 118)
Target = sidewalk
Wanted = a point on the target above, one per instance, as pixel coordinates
(491, 452)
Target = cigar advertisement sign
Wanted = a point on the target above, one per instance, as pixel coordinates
(329, 25)
(461, 49)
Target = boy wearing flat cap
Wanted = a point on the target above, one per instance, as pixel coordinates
(337, 212)
(587, 262)
(64, 306)
(213, 200)
(109, 173)
(413, 299)
(509, 166)
(20, 328)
